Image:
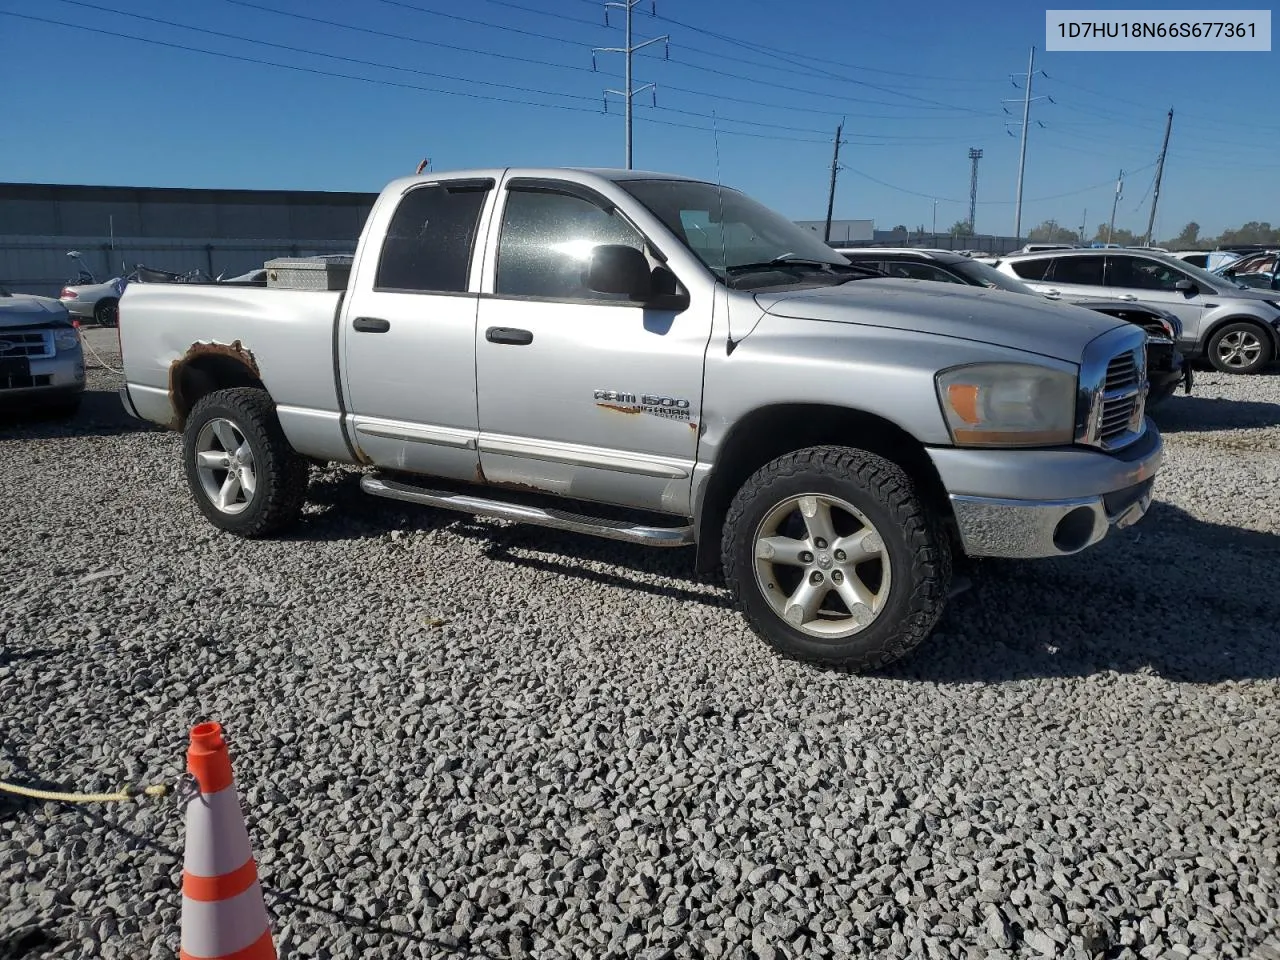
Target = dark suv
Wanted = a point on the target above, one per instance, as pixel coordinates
(1165, 366)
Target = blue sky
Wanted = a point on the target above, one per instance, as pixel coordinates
(918, 83)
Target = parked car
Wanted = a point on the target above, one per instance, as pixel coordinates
(41, 357)
(89, 299)
(1211, 260)
(1037, 247)
(1236, 330)
(1166, 368)
(667, 362)
(1255, 271)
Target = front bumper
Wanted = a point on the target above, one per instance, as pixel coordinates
(1047, 503)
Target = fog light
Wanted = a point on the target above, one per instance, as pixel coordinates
(1074, 530)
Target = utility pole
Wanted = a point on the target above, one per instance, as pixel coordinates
(1084, 223)
(1022, 152)
(1114, 202)
(629, 92)
(1155, 195)
(935, 221)
(831, 193)
(974, 156)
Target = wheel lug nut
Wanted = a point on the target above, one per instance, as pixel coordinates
(806, 557)
(837, 576)
(816, 578)
(840, 555)
(820, 543)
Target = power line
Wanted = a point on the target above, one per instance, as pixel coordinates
(315, 71)
(332, 56)
(751, 101)
(872, 139)
(932, 104)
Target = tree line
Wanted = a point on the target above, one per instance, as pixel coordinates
(1188, 239)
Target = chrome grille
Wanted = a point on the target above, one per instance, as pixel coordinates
(33, 344)
(1122, 372)
(1113, 390)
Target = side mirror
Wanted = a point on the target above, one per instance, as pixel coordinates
(617, 268)
(1186, 286)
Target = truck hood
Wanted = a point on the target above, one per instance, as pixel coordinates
(979, 314)
(19, 311)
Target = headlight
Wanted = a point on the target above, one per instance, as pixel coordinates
(1008, 405)
(66, 338)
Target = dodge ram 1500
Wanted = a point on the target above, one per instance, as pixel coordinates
(663, 361)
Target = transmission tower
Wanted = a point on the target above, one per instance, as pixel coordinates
(974, 156)
(629, 92)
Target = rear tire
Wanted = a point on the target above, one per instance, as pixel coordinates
(244, 475)
(883, 569)
(1240, 347)
(106, 313)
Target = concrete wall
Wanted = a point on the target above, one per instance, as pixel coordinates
(115, 228)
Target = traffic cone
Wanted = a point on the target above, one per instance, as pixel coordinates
(223, 913)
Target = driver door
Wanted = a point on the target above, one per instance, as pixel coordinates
(582, 394)
(1155, 282)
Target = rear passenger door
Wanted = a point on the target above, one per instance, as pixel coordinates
(408, 333)
(1077, 278)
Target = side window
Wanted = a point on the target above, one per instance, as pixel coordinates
(546, 240)
(913, 270)
(430, 240)
(1200, 260)
(1032, 269)
(1086, 271)
(1139, 273)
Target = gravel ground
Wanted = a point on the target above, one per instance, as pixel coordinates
(456, 737)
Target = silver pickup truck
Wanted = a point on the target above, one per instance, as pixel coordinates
(667, 362)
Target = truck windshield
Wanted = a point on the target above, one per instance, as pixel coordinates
(740, 240)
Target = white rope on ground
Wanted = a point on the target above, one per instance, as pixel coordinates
(124, 793)
(84, 342)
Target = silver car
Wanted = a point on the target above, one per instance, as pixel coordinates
(1235, 329)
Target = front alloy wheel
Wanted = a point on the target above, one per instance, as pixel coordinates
(822, 566)
(832, 556)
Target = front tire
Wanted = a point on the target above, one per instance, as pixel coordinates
(1240, 347)
(833, 558)
(244, 475)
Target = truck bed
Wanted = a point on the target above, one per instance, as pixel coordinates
(170, 331)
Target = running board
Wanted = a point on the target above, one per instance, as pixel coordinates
(523, 513)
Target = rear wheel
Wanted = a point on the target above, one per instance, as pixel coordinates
(106, 313)
(1240, 347)
(833, 558)
(243, 473)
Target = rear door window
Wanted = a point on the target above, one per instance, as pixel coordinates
(1078, 271)
(1032, 269)
(915, 270)
(430, 239)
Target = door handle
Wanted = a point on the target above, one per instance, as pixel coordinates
(371, 325)
(512, 335)
(1127, 296)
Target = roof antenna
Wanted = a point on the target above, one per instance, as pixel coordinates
(730, 344)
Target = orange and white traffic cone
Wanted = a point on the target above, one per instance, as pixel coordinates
(223, 913)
